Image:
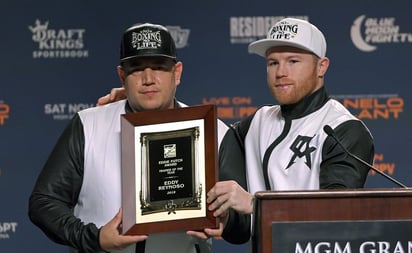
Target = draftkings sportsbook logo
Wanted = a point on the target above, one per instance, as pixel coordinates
(6, 229)
(57, 43)
(367, 33)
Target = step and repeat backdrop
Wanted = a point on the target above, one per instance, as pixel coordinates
(58, 57)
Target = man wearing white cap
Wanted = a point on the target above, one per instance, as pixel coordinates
(285, 146)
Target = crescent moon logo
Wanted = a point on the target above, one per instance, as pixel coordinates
(355, 33)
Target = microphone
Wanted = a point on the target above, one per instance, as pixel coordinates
(329, 131)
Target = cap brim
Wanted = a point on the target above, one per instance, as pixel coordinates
(261, 46)
(147, 55)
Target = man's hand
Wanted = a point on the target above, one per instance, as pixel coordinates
(229, 194)
(115, 94)
(111, 239)
(215, 233)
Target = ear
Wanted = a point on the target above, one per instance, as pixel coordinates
(121, 74)
(178, 72)
(323, 65)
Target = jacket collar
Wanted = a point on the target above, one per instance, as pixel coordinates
(307, 105)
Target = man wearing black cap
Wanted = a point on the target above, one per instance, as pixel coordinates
(77, 197)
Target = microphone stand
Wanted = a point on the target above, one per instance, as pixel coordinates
(329, 131)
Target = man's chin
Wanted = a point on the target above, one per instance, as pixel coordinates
(153, 107)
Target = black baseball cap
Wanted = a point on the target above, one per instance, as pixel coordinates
(147, 40)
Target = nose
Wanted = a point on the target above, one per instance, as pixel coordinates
(147, 76)
(281, 70)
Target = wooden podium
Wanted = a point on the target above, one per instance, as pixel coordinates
(327, 205)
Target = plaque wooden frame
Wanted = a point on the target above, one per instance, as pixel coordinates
(130, 196)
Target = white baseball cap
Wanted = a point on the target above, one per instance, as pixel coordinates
(291, 32)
